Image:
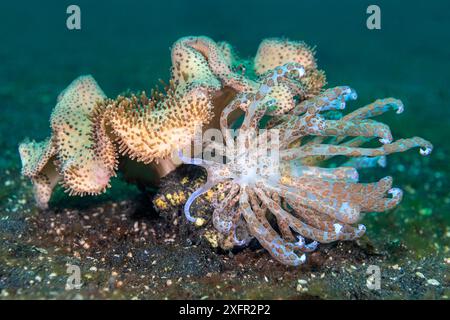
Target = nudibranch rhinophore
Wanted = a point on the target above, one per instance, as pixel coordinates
(277, 176)
(306, 201)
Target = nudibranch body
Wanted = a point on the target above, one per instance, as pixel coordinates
(306, 201)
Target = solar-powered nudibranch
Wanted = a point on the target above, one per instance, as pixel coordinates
(307, 201)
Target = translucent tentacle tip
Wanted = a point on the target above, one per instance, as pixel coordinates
(312, 246)
(300, 260)
(400, 107)
(426, 151)
(303, 258)
(350, 94)
(395, 192)
(301, 243)
(386, 140)
(337, 228)
(238, 242)
(198, 221)
(361, 229)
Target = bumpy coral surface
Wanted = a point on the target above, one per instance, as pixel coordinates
(70, 154)
(149, 129)
(279, 178)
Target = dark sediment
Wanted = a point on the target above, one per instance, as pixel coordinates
(126, 249)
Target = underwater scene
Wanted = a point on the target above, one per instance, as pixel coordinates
(208, 150)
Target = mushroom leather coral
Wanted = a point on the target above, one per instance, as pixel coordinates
(89, 131)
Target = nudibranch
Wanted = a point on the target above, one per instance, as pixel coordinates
(280, 178)
(90, 132)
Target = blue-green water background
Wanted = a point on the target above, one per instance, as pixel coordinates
(125, 44)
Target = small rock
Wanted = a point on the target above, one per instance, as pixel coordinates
(433, 282)
(300, 288)
(199, 222)
(420, 275)
(40, 250)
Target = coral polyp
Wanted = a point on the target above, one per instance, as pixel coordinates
(282, 181)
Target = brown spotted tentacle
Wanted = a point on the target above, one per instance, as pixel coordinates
(267, 237)
(330, 150)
